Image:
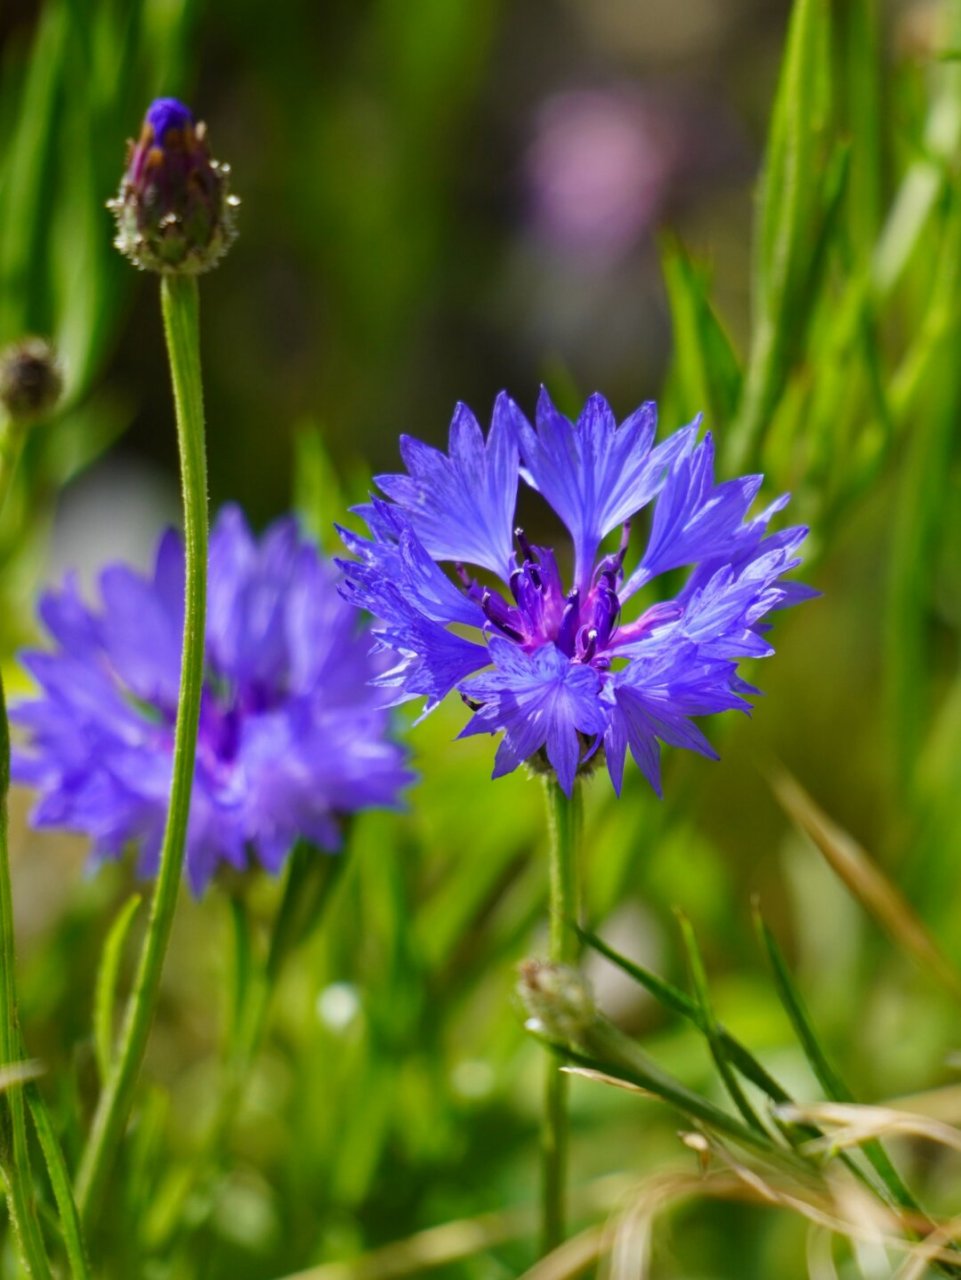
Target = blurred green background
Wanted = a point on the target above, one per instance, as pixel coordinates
(442, 199)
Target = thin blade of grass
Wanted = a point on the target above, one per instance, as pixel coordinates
(674, 998)
(711, 1029)
(105, 991)
(70, 1226)
(706, 373)
(830, 1081)
(866, 882)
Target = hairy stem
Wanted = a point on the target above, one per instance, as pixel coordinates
(564, 824)
(179, 300)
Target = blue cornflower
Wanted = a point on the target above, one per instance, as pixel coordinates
(569, 670)
(292, 734)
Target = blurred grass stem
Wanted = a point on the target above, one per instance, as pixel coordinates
(14, 1152)
(180, 306)
(564, 821)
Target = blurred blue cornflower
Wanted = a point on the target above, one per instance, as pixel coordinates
(292, 734)
(571, 673)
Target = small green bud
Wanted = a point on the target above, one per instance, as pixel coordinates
(174, 210)
(558, 1001)
(31, 380)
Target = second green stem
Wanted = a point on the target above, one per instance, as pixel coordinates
(564, 813)
(179, 297)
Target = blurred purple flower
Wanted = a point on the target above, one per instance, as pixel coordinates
(563, 671)
(603, 163)
(292, 734)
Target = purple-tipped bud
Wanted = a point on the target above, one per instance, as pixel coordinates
(30, 380)
(174, 210)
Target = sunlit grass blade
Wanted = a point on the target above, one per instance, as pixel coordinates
(16, 1074)
(28, 207)
(706, 374)
(865, 880)
(790, 213)
(105, 991)
(921, 501)
(827, 1076)
(674, 998)
(858, 86)
(70, 1225)
(927, 178)
(711, 1028)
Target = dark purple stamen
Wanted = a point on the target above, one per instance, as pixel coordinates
(567, 631)
(587, 643)
(524, 545)
(500, 614)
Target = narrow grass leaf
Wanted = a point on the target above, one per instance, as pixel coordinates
(706, 372)
(830, 1081)
(711, 1029)
(70, 1226)
(866, 882)
(105, 991)
(673, 998)
(791, 205)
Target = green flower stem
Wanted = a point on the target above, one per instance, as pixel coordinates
(564, 817)
(180, 307)
(14, 1154)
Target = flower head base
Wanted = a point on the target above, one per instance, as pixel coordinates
(571, 671)
(557, 999)
(174, 211)
(292, 734)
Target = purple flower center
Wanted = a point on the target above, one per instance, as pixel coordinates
(583, 625)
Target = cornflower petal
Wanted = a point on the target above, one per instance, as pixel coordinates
(694, 518)
(539, 700)
(594, 473)
(461, 505)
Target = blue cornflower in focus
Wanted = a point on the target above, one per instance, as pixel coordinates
(571, 662)
(292, 734)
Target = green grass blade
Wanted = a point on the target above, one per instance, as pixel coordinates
(827, 1076)
(70, 1227)
(706, 372)
(711, 1029)
(674, 998)
(105, 991)
(791, 213)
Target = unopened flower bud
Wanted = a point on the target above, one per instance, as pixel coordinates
(174, 210)
(557, 999)
(30, 380)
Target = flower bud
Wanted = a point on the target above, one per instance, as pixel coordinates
(30, 380)
(174, 211)
(558, 1001)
